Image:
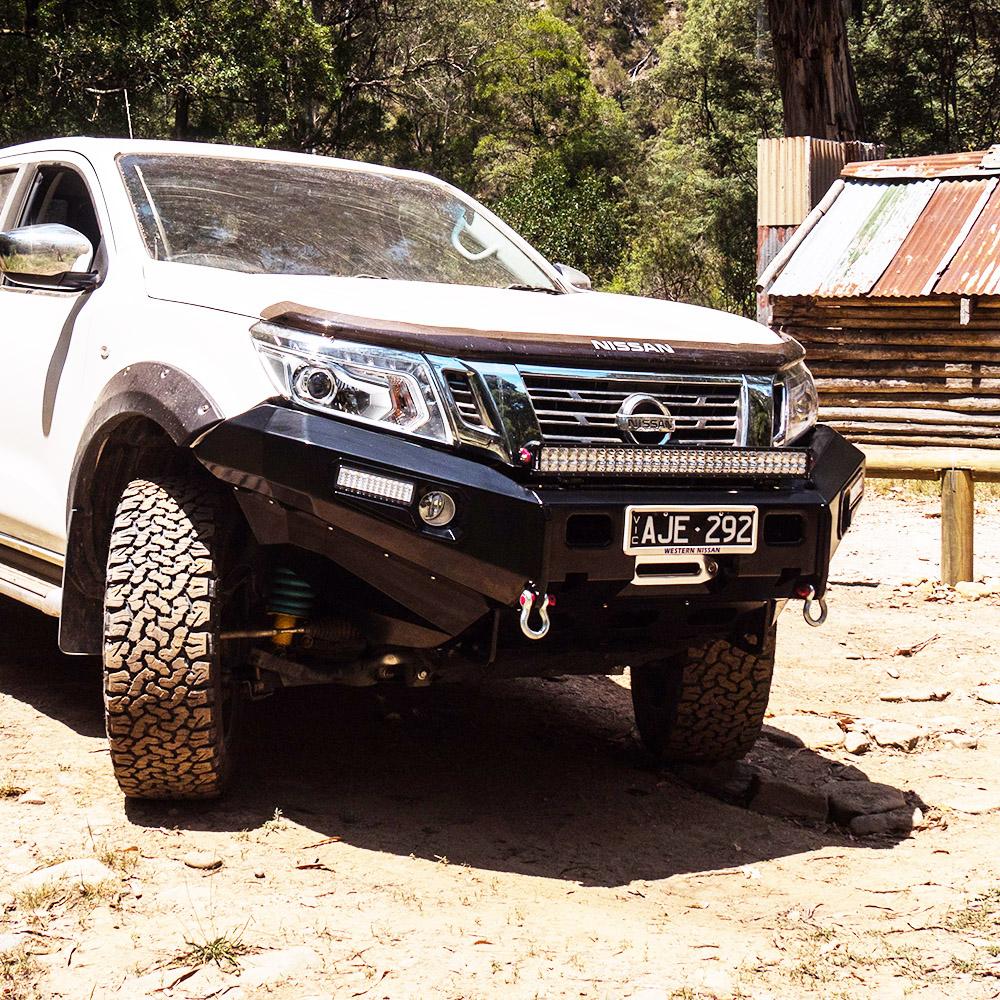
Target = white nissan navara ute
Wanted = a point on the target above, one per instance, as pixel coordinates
(272, 419)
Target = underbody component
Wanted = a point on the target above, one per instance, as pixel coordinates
(528, 599)
(290, 602)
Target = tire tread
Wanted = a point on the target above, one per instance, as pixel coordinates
(705, 704)
(162, 693)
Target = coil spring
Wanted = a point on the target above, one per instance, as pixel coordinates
(290, 594)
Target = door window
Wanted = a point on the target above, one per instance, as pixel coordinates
(60, 195)
(6, 183)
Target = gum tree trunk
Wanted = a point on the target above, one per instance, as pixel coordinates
(815, 73)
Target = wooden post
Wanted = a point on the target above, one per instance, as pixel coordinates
(958, 492)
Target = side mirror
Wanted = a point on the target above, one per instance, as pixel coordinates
(47, 256)
(574, 277)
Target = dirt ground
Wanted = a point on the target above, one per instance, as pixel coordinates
(514, 842)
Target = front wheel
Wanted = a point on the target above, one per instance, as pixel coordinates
(171, 702)
(706, 703)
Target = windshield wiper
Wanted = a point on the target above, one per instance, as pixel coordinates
(377, 277)
(533, 288)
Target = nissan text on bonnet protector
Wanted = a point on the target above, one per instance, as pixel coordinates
(359, 432)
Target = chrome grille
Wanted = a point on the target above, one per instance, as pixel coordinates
(460, 387)
(581, 407)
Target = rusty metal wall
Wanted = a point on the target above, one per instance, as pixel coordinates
(794, 172)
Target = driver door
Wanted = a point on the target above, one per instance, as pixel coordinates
(46, 338)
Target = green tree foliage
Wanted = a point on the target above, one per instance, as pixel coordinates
(617, 135)
(929, 73)
(703, 106)
(555, 153)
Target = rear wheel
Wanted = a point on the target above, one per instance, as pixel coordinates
(705, 703)
(172, 704)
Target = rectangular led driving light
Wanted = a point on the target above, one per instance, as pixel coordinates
(773, 462)
(368, 484)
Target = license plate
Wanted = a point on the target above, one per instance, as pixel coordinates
(711, 530)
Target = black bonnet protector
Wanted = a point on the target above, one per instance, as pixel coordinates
(578, 351)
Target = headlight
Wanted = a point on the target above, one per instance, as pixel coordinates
(393, 390)
(796, 404)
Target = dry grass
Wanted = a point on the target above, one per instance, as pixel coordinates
(75, 895)
(981, 915)
(120, 859)
(19, 971)
(42, 898)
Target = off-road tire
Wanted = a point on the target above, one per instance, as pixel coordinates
(169, 710)
(705, 704)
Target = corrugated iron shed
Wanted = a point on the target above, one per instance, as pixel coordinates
(927, 227)
(926, 167)
(808, 267)
(878, 239)
(793, 174)
(934, 239)
(975, 268)
(892, 284)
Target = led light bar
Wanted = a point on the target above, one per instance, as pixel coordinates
(368, 484)
(774, 462)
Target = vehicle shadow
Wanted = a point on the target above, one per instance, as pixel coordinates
(537, 777)
(533, 777)
(66, 688)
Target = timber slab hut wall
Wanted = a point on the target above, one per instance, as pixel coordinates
(892, 284)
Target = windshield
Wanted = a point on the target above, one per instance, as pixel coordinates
(264, 217)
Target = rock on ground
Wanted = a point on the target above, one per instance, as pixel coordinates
(82, 871)
(861, 798)
(898, 735)
(990, 693)
(894, 821)
(775, 797)
(857, 743)
(960, 741)
(204, 861)
(973, 591)
(729, 781)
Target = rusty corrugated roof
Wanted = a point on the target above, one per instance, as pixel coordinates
(904, 235)
(975, 268)
(877, 240)
(854, 242)
(977, 163)
(934, 239)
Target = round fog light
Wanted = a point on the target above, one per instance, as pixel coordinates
(437, 509)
